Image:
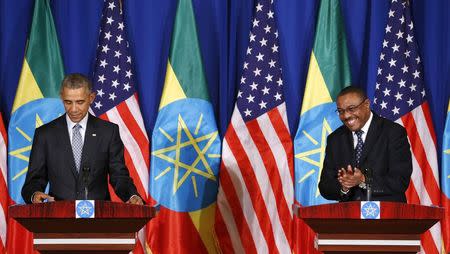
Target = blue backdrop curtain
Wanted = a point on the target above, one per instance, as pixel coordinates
(223, 29)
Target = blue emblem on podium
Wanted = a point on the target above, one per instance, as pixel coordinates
(84, 209)
(370, 210)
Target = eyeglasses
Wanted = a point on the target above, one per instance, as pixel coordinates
(350, 109)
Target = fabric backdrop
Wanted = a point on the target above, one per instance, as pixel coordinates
(223, 30)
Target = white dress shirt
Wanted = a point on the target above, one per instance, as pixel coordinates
(365, 129)
(82, 123)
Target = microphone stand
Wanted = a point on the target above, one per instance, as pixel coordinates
(86, 171)
(369, 178)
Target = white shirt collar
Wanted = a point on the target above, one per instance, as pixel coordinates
(83, 122)
(365, 129)
(366, 126)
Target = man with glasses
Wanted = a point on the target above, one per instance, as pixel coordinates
(365, 148)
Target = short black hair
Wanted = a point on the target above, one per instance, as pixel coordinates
(353, 89)
(75, 81)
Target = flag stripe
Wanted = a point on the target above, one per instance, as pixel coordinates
(3, 151)
(418, 186)
(132, 124)
(427, 243)
(133, 106)
(231, 210)
(133, 173)
(284, 139)
(4, 196)
(243, 175)
(122, 116)
(427, 115)
(4, 210)
(225, 244)
(281, 209)
(419, 153)
(420, 115)
(435, 231)
(411, 193)
(139, 139)
(131, 168)
(4, 199)
(131, 145)
(258, 142)
(269, 145)
(417, 179)
(283, 113)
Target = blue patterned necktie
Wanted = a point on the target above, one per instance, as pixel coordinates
(77, 145)
(359, 146)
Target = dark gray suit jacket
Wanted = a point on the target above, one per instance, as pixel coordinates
(386, 152)
(51, 161)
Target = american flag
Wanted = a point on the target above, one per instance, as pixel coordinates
(4, 196)
(256, 189)
(116, 98)
(400, 96)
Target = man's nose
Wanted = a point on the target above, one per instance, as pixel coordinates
(345, 115)
(73, 107)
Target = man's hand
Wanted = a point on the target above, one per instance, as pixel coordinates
(349, 177)
(136, 200)
(40, 197)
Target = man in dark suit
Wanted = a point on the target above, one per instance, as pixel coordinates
(366, 148)
(75, 149)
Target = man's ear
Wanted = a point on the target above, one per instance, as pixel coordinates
(368, 102)
(91, 97)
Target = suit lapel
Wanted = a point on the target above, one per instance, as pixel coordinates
(372, 136)
(90, 141)
(349, 145)
(67, 145)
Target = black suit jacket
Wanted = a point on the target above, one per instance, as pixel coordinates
(386, 153)
(51, 161)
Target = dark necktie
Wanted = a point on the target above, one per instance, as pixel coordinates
(359, 146)
(77, 145)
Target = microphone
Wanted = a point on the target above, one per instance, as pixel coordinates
(369, 179)
(86, 171)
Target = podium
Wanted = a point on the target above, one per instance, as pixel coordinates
(341, 229)
(56, 230)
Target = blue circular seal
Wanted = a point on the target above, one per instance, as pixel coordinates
(85, 209)
(21, 129)
(370, 210)
(185, 156)
(309, 148)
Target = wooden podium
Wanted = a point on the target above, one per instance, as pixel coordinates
(340, 228)
(56, 230)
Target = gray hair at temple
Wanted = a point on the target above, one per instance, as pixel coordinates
(75, 81)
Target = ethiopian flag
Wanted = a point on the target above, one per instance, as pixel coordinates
(445, 182)
(185, 149)
(36, 102)
(328, 73)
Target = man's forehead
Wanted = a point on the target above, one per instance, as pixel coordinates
(75, 91)
(349, 98)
